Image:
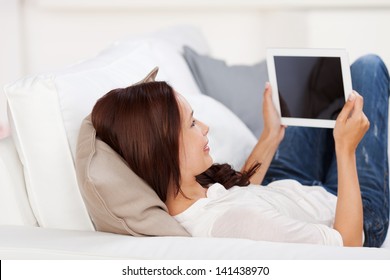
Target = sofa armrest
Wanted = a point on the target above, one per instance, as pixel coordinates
(15, 208)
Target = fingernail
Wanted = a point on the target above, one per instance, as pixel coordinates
(266, 85)
(352, 96)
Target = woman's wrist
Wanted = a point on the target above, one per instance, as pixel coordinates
(270, 137)
(273, 134)
(345, 150)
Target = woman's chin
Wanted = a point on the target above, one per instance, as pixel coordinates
(210, 161)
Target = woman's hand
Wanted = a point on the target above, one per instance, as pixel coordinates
(270, 138)
(272, 125)
(351, 124)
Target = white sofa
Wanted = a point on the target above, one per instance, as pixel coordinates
(42, 212)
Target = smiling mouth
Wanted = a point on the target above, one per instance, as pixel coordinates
(206, 147)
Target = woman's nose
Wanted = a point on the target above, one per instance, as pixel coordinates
(205, 128)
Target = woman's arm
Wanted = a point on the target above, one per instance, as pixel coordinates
(351, 125)
(269, 140)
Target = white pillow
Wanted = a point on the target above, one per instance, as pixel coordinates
(78, 89)
(46, 112)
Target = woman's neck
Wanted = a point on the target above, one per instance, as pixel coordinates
(191, 191)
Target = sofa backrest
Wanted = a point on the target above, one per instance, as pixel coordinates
(15, 207)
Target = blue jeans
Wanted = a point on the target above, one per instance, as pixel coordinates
(308, 154)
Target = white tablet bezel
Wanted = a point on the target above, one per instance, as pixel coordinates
(346, 77)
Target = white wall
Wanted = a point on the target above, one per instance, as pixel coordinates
(11, 64)
(360, 31)
(41, 35)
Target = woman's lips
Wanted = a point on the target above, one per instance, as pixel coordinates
(206, 147)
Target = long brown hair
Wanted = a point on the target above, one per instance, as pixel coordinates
(142, 124)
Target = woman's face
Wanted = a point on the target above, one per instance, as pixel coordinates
(194, 150)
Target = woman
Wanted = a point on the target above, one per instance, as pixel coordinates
(153, 128)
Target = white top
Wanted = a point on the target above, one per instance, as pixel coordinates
(283, 211)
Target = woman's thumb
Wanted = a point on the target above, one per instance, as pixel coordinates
(267, 89)
(348, 107)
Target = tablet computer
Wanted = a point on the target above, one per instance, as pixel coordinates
(309, 86)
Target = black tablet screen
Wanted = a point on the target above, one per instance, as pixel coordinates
(309, 87)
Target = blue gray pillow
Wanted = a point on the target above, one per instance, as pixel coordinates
(238, 87)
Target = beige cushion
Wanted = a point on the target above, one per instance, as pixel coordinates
(117, 200)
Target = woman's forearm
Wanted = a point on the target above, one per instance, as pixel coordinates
(262, 153)
(349, 209)
(269, 140)
(351, 125)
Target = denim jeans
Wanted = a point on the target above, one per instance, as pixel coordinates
(308, 154)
